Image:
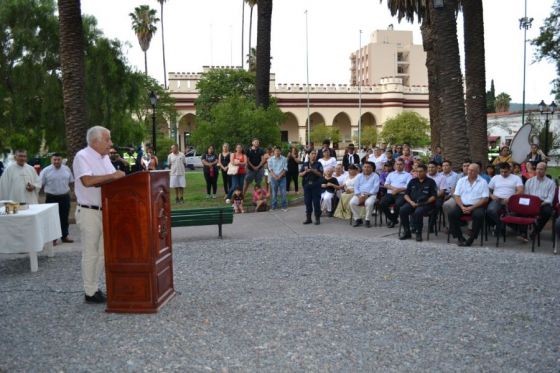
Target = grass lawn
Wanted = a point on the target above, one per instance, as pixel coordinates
(195, 194)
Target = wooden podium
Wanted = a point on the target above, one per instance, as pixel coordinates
(137, 239)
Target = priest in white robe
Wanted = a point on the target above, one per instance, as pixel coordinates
(20, 182)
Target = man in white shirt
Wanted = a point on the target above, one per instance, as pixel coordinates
(20, 182)
(365, 193)
(395, 183)
(544, 188)
(441, 185)
(451, 179)
(56, 179)
(471, 194)
(502, 186)
(177, 162)
(93, 167)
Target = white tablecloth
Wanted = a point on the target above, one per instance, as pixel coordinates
(29, 230)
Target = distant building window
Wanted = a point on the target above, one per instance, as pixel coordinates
(284, 136)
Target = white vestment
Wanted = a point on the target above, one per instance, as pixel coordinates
(13, 183)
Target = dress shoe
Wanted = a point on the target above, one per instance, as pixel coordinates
(357, 223)
(55, 242)
(419, 237)
(368, 224)
(391, 224)
(317, 221)
(405, 236)
(67, 240)
(98, 297)
(466, 243)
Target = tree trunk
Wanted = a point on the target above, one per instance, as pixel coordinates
(264, 8)
(163, 49)
(73, 75)
(475, 76)
(242, 34)
(432, 84)
(452, 104)
(250, 28)
(146, 63)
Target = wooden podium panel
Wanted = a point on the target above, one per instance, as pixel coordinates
(137, 242)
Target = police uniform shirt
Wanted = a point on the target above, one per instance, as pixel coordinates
(419, 191)
(310, 177)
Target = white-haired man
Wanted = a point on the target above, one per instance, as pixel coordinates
(92, 167)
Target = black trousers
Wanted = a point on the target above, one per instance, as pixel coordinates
(546, 213)
(63, 201)
(226, 180)
(390, 199)
(417, 213)
(312, 198)
(211, 182)
(455, 224)
(292, 177)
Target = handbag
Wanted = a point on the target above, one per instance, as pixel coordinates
(232, 169)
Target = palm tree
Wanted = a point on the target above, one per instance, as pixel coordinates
(144, 25)
(262, 80)
(242, 32)
(251, 4)
(502, 102)
(73, 74)
(439, 33)
(475, 76)
(163, 45)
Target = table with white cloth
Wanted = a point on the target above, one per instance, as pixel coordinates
(30, 231)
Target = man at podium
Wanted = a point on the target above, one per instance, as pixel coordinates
(93, 167)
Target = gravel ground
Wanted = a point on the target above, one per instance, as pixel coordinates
(320, 303)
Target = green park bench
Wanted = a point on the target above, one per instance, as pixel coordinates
(202, 216)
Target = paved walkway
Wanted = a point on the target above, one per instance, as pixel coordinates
(275, 295)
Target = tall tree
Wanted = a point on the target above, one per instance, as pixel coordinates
(454, 137)
(264, 27)
(502, 102)
(548, 43)
(251, 4)
(475, 76)
(144, 25)
(73, 74)
(163, 45)
(491, 98)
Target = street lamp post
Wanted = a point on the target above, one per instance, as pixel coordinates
(546, 110)
(153, 102)
(525, 24)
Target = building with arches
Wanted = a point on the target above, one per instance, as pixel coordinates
(330, 104)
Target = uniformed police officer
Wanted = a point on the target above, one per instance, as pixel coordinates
(312, 173)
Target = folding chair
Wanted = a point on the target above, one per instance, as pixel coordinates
(523, 209)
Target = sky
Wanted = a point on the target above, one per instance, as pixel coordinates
(199, 33)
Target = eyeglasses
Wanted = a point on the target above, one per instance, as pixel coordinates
(113, 153)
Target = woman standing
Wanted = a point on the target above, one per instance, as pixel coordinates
(312, 173)
(149, 160)
(239, 160)
(293, 169)
(210, 168)
(223, 163)
(327, 161)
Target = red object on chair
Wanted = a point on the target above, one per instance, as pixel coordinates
(523, 209)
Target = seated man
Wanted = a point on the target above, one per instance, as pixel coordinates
(365, 192)
(471, 194)
(544, 188)
(396, 186)
(420, 196)
(502, 186)
(440, 183)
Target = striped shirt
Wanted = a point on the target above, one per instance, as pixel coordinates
(544, 188)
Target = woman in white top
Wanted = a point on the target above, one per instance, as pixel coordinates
(343, 210)
(327, 161)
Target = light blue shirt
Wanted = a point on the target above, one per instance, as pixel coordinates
(471, 193)
(368, 185)
(450, 180)
(56, 180)
(398, 180)
(278, 165)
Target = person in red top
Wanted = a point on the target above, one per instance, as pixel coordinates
(407, 158)
(237, 159)
(260, 198)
